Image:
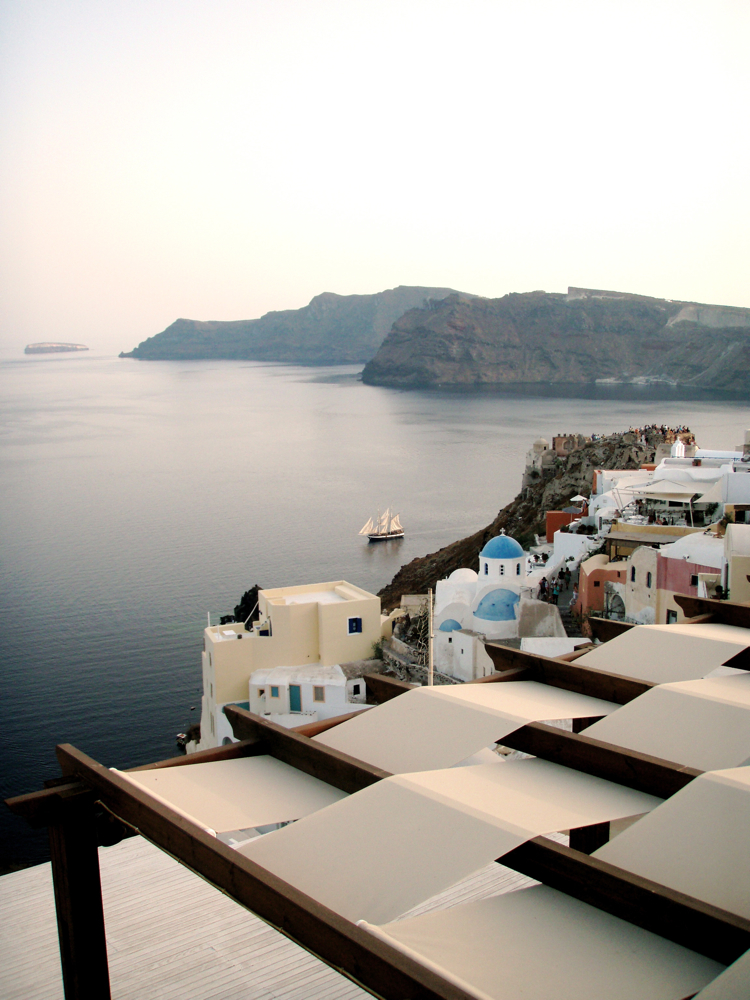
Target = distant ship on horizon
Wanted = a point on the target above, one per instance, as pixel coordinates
(53, 347)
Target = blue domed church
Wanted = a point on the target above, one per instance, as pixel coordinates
(487, 604)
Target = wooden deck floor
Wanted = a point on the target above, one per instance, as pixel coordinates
(171, 936)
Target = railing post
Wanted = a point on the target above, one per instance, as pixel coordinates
(78, 901)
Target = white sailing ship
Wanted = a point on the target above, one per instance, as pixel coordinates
(383, 527)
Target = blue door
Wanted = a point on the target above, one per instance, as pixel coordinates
(295, 698)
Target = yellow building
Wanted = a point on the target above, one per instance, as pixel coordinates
(324, 623)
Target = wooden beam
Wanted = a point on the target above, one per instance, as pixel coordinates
(383, 688)
(316, 728)
(680, 918)
(78, 902)
(245, 748)
(336, 768)
(726, 612)
(365, 959)
(514, 674)
(51, 805)
(588, 839)
(569, 676)
(602, 760)
(605, 629)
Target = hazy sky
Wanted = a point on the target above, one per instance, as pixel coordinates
(215, 159)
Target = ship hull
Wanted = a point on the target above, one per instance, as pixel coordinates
(386, 537)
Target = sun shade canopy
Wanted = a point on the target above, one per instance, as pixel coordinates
(664, 653)
(432, 727)
(704, 724)
(695, 842)
(237, 794)
(538, 942)
(366, 857)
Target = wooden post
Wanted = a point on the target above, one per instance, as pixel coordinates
(78, 901)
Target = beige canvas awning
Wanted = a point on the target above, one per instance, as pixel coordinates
(665, 489)
(237, 794)
(703, 724)
(433, 727)
(538, 942)
(695, 842)
(395, 844)
(665, 653)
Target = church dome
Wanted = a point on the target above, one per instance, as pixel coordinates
(463, 575)
(502, 547)
(541, 445)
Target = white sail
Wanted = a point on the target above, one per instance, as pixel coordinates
(383, 523)
(395, 523)
(370, 526)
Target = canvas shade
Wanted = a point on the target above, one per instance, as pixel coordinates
(733, 982)
(703, 724)
(665, 653)
(665, 489)
(433, 727)
(695, 842)
(395, 844)
(237, 794)
(539, 944)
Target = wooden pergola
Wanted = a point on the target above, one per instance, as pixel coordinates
(91, 805)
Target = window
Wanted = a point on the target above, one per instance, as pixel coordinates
(261, 692)
(211, 689)
(671, 617)
(632, 574)
(450, 639)
(693, 581)
(319, 694)
(648, 579)
(274, 692)
(502, 571)
(518, 569)
(355, 625)
(226, 741)
(355, 688)
(212, 725)
(597, 583)
(486, 568)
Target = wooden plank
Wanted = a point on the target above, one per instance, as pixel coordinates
(603, 760)
(605, 629)
(689, 922)
(569, 676)
(78, 902)
(383, 688)
(337, 768)
(366, 960)
(726, 612)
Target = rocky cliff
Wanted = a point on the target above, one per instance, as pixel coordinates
(524, 516)
(579, 338)
(332, 329)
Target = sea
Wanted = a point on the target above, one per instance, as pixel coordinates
(139, 498)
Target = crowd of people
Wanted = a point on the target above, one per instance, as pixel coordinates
(550, 590)
(670, 434)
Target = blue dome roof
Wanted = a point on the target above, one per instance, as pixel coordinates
(502, 547)
(497, 606)
(450, 625)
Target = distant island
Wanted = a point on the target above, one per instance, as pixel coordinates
(579, 338)
(331, 329)
(53, 347)
(422, 337)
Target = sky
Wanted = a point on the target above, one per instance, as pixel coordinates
(217, 160)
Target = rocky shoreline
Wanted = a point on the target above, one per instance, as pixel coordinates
(523, 517)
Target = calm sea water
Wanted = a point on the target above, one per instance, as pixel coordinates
(137, 496)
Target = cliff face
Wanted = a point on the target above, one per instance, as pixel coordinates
(524, 516)
(332, 329)
(576, 338)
